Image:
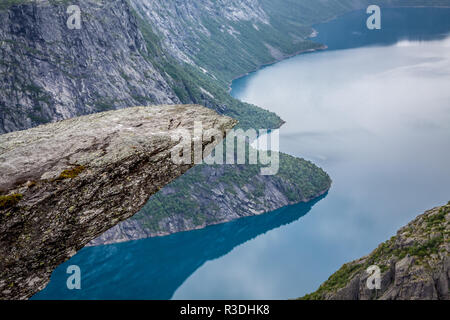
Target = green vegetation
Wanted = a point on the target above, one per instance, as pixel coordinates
(71, 173)
(338, 280)
(429, 247)
(190, 197)
(248, 54)
(303, 174)
(438, 218)
(5, 4)
(10, 201)
(188, 81)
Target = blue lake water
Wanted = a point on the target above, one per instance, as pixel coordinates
(373, 110)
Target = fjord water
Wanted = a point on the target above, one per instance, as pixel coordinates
(373, 110)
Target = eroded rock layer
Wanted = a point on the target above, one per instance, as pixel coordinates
(414, 265)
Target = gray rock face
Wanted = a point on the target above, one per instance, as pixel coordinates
(415, 265)
(181, 40)
(65, 183)
(50, 72)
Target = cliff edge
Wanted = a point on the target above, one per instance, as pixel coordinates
(414, 265)
(65, 183)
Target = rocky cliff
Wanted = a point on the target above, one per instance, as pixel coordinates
(414, 265)
(143, 52)
(228, 38)
(65, 183)
(49, 72)
(209, 195)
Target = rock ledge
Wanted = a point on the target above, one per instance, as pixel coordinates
(65, 183)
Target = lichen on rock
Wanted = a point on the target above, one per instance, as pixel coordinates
(71, 173)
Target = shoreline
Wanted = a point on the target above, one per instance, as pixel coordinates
(203, 226)
(321, 47)
(264, 65)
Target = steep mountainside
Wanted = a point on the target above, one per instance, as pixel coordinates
(228, 38)
(154, 51)
(49, 72)
(214, 194)
(65, 183)
(414, 264)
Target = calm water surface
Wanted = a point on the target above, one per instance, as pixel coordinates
(373, 111)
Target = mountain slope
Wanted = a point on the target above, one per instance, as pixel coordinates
(65, 183)
(225, 38)
(228, 38)
(49, 72)
(156, 51)
(414, 264)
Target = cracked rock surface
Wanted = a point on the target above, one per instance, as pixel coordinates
(65, 183)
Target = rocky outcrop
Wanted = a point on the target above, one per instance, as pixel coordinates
(65, 183)
(208, 195)
(414, 265)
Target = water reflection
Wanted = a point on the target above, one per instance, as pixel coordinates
(154, 268)
(377, 119)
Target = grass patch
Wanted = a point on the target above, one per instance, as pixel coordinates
(336, 281)
(9, 201)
